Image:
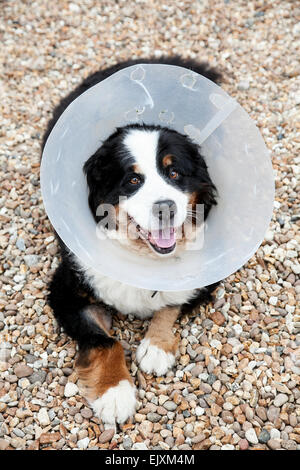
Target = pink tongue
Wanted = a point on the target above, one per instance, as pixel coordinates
(163, 238)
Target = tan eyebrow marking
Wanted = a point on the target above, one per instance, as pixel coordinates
(136, 168)
(167, 160)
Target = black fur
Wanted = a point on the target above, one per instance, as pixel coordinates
(69, 294)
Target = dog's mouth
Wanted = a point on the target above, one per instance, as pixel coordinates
(162, 241)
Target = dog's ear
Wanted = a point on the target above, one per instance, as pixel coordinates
(206, 191)
(96, 167)
(101, 173)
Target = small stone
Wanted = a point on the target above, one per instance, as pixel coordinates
(74, 8)
(145, 429)
(139, 417)
(273, 300)
(71, 390)
(272, 413)
(243, 444)
(154, 417)
(280, 399)
(227, 417)
(289, 445)
(170, 405)
(218, 318)
(227, 447)
(274, 444)
(197, 370)
(211, 379)
(215, 409)
(274, 433)
(49, 437)
(264, 436)
(106, 436)
(243, 85)
(83, 443)
(31, 260)
(38, 376)
(20, 244)
(162, 399)
(22, 370)
(23, 383)
(199, 411)
(3, 444)
(43, 417)
(261, 413)
(251, 436)
(203, 445)
(139, 446)
(127, 443)
(86, 413)
(18, 432)
(18, 443)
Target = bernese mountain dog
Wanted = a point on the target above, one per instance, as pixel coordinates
(152, 174)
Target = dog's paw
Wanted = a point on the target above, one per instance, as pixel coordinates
(154, 360)
(116, 405)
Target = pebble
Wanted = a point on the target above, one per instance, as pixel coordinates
(243, 85)
(274, 444)
(3, 444)
(280, 399)
(83, 443)
(49, 437)
(86, 413)
(170, 406)
(22, 370)
(106, 436)
(127, 443)
(139, 446)
(153, 417)
(43, 417)
(251, 436)
(264, 436)
(243, 444)
(218, 318)
(274, 433)
(71, 389)
(272, 413)
(38, 376)
(199, 411)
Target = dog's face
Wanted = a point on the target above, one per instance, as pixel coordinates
(153, 177)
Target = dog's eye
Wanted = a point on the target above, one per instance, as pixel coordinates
(173, 174)
(135, 180)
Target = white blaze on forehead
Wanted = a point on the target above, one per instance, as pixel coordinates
(143, 147)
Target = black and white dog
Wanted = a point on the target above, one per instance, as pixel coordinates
(155, 168)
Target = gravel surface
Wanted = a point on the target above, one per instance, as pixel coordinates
(236, 382)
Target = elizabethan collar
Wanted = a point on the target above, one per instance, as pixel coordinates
(237, 158)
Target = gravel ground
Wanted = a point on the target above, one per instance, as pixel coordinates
(236, 383)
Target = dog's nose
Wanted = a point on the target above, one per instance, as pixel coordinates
(164, 210)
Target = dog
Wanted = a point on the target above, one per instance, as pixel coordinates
(159, 173)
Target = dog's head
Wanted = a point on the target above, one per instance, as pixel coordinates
(153, 178)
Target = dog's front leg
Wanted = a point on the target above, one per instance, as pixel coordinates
(156, 353)
(103, 373)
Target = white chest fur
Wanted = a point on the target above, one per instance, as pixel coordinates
(132, 300)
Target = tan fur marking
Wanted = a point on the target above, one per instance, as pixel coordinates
(136, 168)
(100, 316)
(193, 198)
(167, 160)
(160, 330)
(102, 368)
